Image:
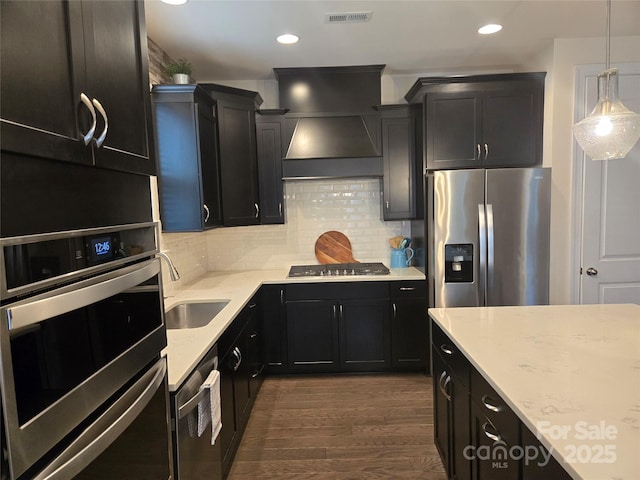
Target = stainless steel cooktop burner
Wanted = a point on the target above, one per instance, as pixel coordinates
(338, 269)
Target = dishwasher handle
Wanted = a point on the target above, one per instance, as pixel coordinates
(188, 406)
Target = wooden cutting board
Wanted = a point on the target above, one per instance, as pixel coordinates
(334, 247)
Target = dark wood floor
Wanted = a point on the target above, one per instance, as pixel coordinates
(340, 428)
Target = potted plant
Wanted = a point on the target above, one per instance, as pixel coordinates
(179, 70)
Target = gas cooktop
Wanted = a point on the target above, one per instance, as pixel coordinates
(338, 269)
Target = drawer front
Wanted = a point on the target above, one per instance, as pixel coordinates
(491, 404)
(451, 354)
(408, 289)
(337, 291)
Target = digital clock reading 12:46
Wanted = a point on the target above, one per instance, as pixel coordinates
(101, 249)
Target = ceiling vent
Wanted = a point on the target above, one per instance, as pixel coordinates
(347, 17)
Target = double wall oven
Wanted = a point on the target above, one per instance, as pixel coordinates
(82, 379)
(84, 390)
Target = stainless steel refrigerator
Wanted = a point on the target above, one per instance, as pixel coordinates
(488, 237)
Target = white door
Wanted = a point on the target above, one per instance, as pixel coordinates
(610, 217)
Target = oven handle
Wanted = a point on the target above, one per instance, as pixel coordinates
(107, 428)
(188, 406)
(81, 294)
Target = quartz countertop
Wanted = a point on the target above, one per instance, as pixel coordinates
(186, 347)
(571, 373)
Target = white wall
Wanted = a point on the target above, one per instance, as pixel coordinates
(560, 116)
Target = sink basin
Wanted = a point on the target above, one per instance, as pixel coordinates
(193, 314)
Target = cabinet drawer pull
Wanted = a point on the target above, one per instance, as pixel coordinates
(86, 138)
(407, 289)
(103, 135)
(206, 212)
(253, 335)
(490, 404)
(491, 432)
(446, 349)
(395, 310)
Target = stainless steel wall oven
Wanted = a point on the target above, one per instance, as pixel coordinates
(83, 383)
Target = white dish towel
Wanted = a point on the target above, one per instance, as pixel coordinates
(209, 407)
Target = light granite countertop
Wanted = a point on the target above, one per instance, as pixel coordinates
(571, 373)
(187, 347)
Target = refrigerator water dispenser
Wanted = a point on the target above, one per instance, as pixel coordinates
(458, 263)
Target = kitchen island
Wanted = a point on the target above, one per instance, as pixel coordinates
(186, 347)
(570, 373)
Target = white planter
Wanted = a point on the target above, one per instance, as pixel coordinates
(181, 79)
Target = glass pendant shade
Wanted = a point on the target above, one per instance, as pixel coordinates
(611, 129)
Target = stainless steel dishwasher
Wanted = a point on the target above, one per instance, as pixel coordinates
(195, 458)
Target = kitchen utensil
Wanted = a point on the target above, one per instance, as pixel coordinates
(334, 247)
(399, 257)
(395, 242)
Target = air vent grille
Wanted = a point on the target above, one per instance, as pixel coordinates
(348, 17)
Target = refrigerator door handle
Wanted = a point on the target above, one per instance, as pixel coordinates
(490, 254)
(482, 247)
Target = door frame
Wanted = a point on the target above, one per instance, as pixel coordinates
(578, 158)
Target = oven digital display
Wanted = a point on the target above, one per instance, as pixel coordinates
(101, 249)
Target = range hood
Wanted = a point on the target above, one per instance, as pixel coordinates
(331, 127)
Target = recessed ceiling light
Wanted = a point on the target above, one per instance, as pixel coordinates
(175, 2)
(287, 39)
(489, 29)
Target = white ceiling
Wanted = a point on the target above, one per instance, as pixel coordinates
(235, 39)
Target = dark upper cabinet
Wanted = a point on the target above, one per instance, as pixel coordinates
(482, 121)
(400, 186)
(269, 144)
(238, 157)
(76, 87)
(188, 163)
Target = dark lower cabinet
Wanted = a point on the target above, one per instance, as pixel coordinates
(540, 468)
(451, 406)
(312, 330)
(409, 325)
(241, 370)
(274, 328)
(338, 327)
(495, 431)
(364, 334)
(477, 434)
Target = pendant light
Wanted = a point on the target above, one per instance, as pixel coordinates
(611, 129)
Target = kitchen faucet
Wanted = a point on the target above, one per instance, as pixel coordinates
(173, 272)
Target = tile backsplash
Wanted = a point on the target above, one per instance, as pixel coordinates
(351, 205)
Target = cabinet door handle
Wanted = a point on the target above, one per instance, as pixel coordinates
(395, 310)
(280, 209)
(407, 289)
(443, 386)
(86, 138)
(253, 335)
(387, 204)
(257, 207)
(252, 305)
(486, 151)
(206, 212)
(335, 311)
(490, 404)
(282, 296)
(238, 355)
(446, 349)
(491, 432)
(103, 135)
(479, 153)
(341, 312)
